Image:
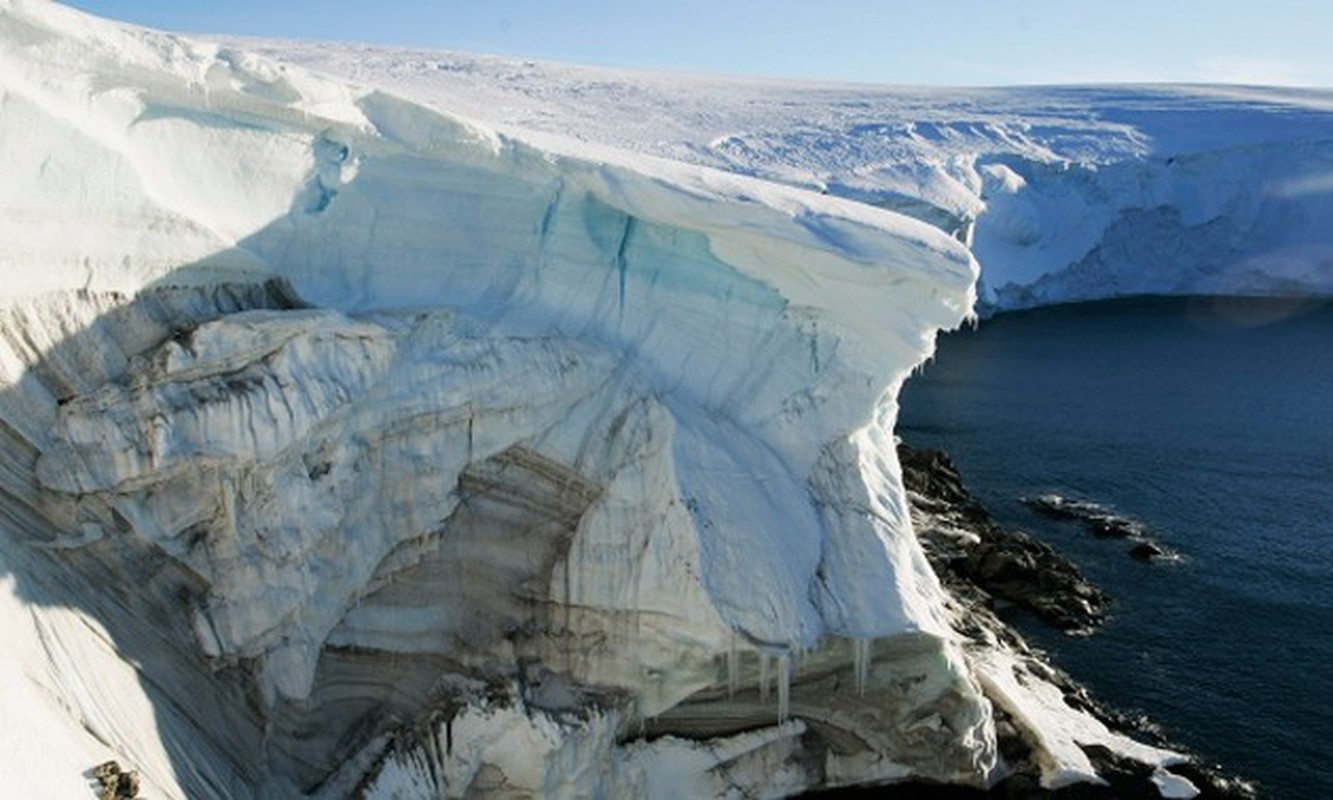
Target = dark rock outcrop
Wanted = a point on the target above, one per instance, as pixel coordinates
(981, 563)
(962, 540)
(1100, 522)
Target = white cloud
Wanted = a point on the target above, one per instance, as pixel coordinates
(1262, 71)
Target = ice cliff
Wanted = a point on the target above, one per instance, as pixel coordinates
(380, 418)
(1062, 193)
(351, 447)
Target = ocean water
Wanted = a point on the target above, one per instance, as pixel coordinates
(1211, 422)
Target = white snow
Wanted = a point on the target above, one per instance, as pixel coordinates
(58, 665)
(824, 303)
(1058, 731)
(1174, 786)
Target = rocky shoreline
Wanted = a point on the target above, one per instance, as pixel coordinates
(969, 551)
(1100, 522)
(985, 567)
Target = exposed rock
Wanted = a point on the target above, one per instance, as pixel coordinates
(1100, 522)
(115, 783)
(1146, 551)
(956, 529)
(1097, 519)
(961, 539)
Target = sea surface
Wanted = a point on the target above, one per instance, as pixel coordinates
(1211, 422)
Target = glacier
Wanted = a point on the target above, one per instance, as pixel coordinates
(1063, 194)
(361, 443)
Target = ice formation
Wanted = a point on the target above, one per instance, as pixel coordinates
(363, 401)
(1063, 193)
(354, 447)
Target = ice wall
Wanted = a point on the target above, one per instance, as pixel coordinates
(352, 396)
(1064, 193)
(1244, 219)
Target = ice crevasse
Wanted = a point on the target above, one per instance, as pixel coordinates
(350, 446)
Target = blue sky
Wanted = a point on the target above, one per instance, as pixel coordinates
(961, 42)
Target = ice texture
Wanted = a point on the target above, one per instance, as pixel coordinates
(357, 396)
(1062, 193)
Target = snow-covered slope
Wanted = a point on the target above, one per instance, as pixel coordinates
(1063, 193)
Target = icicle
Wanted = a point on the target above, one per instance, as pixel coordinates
(861, 663)
(763, 677)
(733, 669)
(784, 686)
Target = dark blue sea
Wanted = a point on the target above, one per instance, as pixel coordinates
(1211, 422)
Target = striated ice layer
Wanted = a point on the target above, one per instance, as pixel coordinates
(822, 305)
(346, 419)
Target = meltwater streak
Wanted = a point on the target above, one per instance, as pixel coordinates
(1211, 421)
